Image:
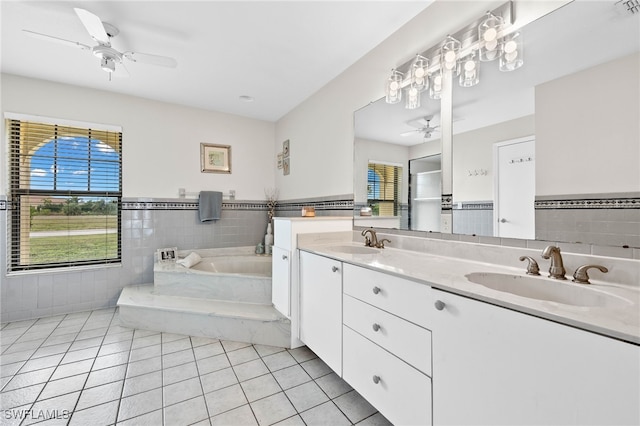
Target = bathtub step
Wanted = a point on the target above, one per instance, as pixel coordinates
(140, 307)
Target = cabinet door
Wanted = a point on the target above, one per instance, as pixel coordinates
(321, 308)
(281, 280)
(496, 366)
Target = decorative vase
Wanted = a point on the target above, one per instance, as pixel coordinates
(268, 238)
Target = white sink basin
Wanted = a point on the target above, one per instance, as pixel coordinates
(355, 249)
(565, 292)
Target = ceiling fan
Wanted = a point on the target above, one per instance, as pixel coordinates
(102, 33)
(426, 129)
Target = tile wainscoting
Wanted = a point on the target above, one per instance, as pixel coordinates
(147, 224)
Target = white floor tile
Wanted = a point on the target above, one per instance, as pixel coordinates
(63, 386)
(139, 404)
(250, 369)
(354, 406)
(186, 412)
(260, 387)
(143, 383)
(225, 399)
(100, 395)
(272, 409)
(182, 391)
(100, 415)
(325, 415)
(241, 416)
(111, 374)
(218, 380)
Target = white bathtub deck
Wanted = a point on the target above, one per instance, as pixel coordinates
(141, 307)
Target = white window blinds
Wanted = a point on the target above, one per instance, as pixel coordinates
(64, 195)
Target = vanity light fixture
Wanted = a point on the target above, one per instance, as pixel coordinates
(393, 88)
(435, 87)
(412, 98)
(488, 37)
(511, 55)
(420, 73)
(470, 70)
(449, 55)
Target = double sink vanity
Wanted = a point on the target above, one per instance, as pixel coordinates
(466, 336)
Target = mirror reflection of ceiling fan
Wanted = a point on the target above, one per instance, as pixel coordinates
(426, 129)
(102, 33)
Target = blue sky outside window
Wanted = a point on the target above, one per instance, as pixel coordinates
(75, 164)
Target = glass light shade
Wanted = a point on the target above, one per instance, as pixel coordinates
(449, 55)
(435, 86)
(511, 52)
(412, 98)
(393, 88)
(470, 74)
(488, 33)
(419, 73)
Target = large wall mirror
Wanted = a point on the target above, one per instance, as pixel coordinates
(549, 151)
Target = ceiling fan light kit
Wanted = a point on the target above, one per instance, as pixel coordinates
(111, 60)
(460, 54)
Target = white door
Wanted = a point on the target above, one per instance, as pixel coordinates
(514, 188)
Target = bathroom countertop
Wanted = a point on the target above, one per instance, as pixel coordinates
(448, 273)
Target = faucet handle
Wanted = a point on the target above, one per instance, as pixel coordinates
(580, 275)
(532, 266)
(381, 243)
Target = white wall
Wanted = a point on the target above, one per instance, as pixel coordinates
(161, 141)
(474, 151)
(321, 128)
(587, 133)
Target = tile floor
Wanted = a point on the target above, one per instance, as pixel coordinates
(85, 369)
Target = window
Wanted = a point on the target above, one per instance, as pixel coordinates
(65, 195)
(383, 189)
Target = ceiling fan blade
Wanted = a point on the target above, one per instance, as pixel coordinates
(410, 132)
(94, 26)
(57, 40)
(163, 61)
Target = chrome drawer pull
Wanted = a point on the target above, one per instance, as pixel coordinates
(376, 327)
(334, 268)
(376, 379)
(439, 305)
(376, 290)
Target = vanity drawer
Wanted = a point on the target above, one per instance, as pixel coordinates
(404, 339)
(402, 393)
(404, 298)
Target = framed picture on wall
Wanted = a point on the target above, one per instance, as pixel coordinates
(215, 158)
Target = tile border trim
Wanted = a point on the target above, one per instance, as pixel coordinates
(590, 203)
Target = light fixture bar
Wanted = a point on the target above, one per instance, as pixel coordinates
(468, 37)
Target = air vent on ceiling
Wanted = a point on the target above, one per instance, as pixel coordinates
(631, 6)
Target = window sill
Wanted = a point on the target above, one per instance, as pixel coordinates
(63, 270)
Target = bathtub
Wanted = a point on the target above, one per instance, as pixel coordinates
(228, 274)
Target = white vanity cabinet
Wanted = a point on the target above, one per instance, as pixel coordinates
(386, 343)
(321, 307)
(284, 292)
(492, 365)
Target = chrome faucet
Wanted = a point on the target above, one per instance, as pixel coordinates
(556, 269)
(373, 241)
